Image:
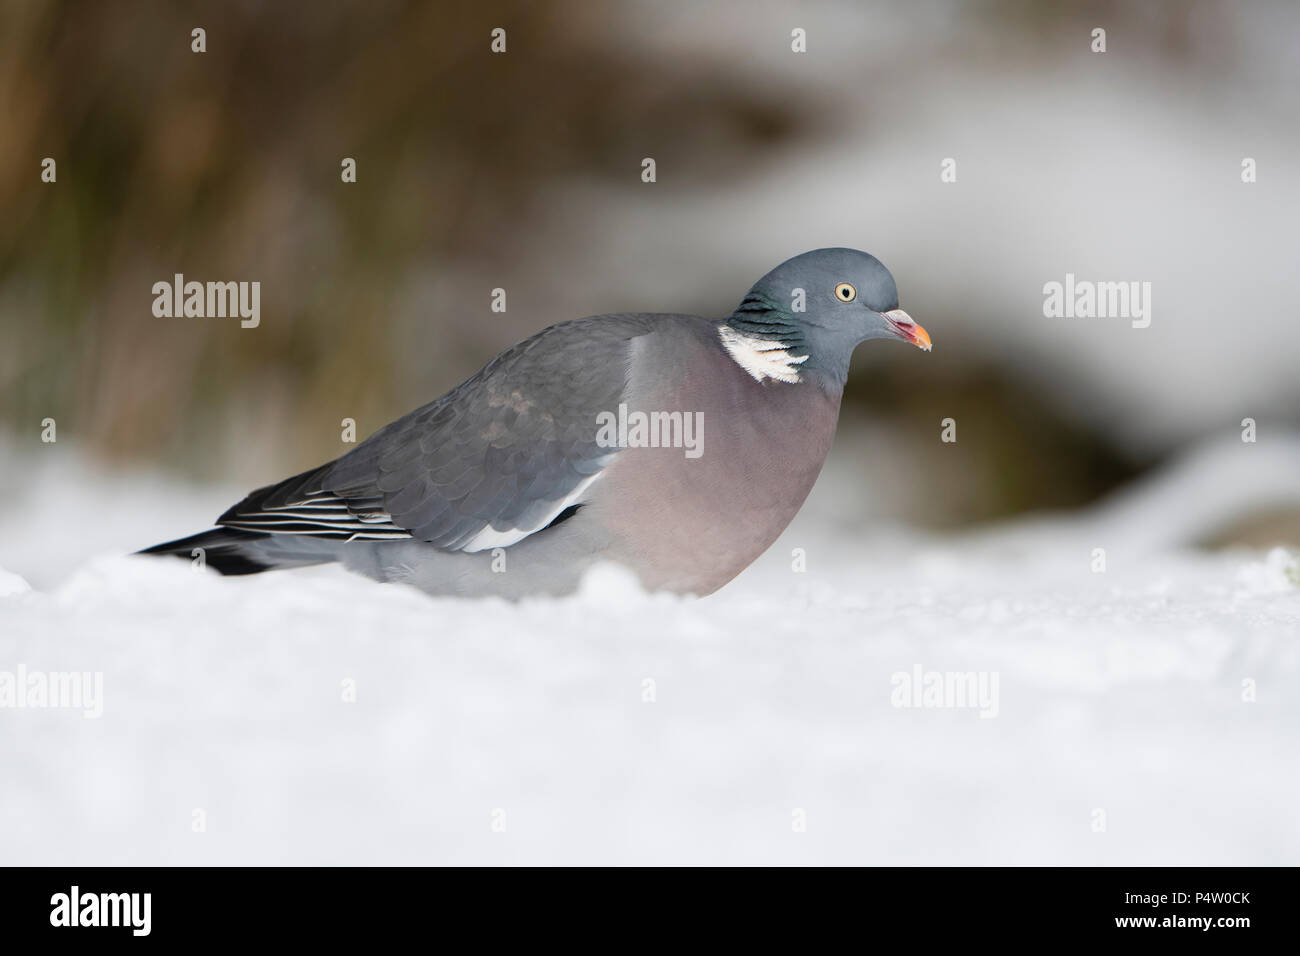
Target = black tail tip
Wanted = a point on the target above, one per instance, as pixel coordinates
(223, 549)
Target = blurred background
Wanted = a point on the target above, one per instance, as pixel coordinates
(522, 171)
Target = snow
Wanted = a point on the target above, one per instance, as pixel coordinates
(486, 732)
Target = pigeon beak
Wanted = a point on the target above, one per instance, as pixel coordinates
(906, 329)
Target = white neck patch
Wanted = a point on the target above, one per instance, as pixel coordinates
(761, 358)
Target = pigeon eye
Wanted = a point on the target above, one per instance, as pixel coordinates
(845, 292)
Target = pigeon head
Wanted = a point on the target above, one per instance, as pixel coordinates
(807, 315)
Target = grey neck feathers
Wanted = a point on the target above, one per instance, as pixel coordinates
(759, 316)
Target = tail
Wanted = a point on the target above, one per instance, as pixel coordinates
(232, 551)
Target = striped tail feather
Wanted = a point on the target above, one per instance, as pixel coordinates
(234, 551)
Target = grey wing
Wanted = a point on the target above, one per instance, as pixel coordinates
(494, 460)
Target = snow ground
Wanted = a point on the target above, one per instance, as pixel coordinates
(1119, 691)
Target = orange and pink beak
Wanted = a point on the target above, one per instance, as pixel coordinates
(906, 329)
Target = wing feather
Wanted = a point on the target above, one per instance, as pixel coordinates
(492, 461)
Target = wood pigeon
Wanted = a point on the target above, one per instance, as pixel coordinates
(677, 446)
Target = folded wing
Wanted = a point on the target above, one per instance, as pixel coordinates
(496, 459)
